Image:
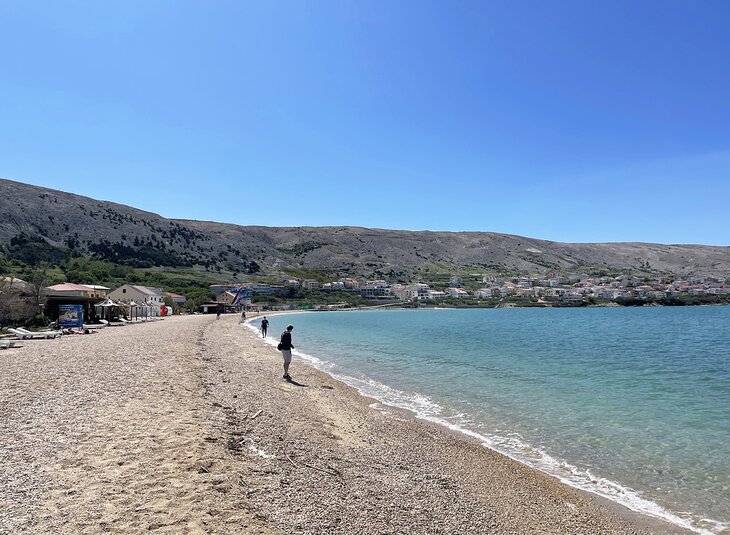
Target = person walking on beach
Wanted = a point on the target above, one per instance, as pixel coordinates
(243, 316)
(264, 327)
(285, 346)
(218, 312)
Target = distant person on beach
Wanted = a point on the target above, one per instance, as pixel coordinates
(264, 327)
(243, 316)
(218, 312)
(285, 346)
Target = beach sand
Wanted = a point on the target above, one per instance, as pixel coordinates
(186, 426)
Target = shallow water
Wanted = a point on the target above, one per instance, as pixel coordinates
(631, 403)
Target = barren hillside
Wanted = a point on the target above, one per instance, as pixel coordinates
(127, 235)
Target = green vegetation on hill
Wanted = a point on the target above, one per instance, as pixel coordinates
(303, 273)
(301, 297)
(29, 257)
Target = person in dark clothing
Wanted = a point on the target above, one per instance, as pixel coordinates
(264, 327)
(285, 346)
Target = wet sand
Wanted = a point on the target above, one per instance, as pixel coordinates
(186, 426)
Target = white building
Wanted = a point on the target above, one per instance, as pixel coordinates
(140, 294)
(483, 293)
(375, 289)
(458, 293)
(417, 291)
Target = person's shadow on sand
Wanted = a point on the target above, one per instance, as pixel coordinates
(293, 382)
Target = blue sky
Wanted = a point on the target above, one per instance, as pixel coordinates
(567, 120)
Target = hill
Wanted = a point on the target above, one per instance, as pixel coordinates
(39, 222)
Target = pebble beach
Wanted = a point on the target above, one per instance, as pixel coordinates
(185, 426)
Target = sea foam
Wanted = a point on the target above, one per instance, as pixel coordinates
(512, 446)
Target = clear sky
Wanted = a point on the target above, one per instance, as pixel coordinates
(566, 120)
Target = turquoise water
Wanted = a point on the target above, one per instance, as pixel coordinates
(630, 403)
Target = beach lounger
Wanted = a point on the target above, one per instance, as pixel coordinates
(24, 334)
(94, 325)
(41, 334)
(8, 344)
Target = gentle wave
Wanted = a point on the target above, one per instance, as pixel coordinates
(510, 446)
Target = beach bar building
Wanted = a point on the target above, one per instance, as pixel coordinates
(211, 307)
(66, 295)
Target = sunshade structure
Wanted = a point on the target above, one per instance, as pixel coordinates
(140, 310)
(108, 309)
(133, 309)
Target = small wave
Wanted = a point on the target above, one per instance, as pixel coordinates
(516, 449)
(511, 445)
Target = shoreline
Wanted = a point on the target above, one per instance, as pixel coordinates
(383, 406)
(185, 426)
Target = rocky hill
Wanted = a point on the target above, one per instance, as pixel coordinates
(52, 220)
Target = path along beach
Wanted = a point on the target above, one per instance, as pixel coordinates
(185, 426)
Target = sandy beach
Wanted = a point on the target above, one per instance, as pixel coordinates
(186, 426)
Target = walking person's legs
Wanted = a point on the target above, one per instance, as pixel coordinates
(286, 353)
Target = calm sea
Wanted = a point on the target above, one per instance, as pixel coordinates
(629, 403)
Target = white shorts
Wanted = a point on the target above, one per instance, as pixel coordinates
(286, 353)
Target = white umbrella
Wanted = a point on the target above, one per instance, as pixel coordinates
(132, 305)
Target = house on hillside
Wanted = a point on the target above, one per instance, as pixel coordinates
(483, 293)
(226, 298)
(417, 291)
(376, 289)
(176, 298)
(458, 293)
(140, 294)
(218, 288)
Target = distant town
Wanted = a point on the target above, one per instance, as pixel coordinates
(88, 304)
(551, 290)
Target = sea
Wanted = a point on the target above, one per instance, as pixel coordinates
(632, 404)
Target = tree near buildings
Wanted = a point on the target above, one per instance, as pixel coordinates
(16, 306)
(38, 285)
